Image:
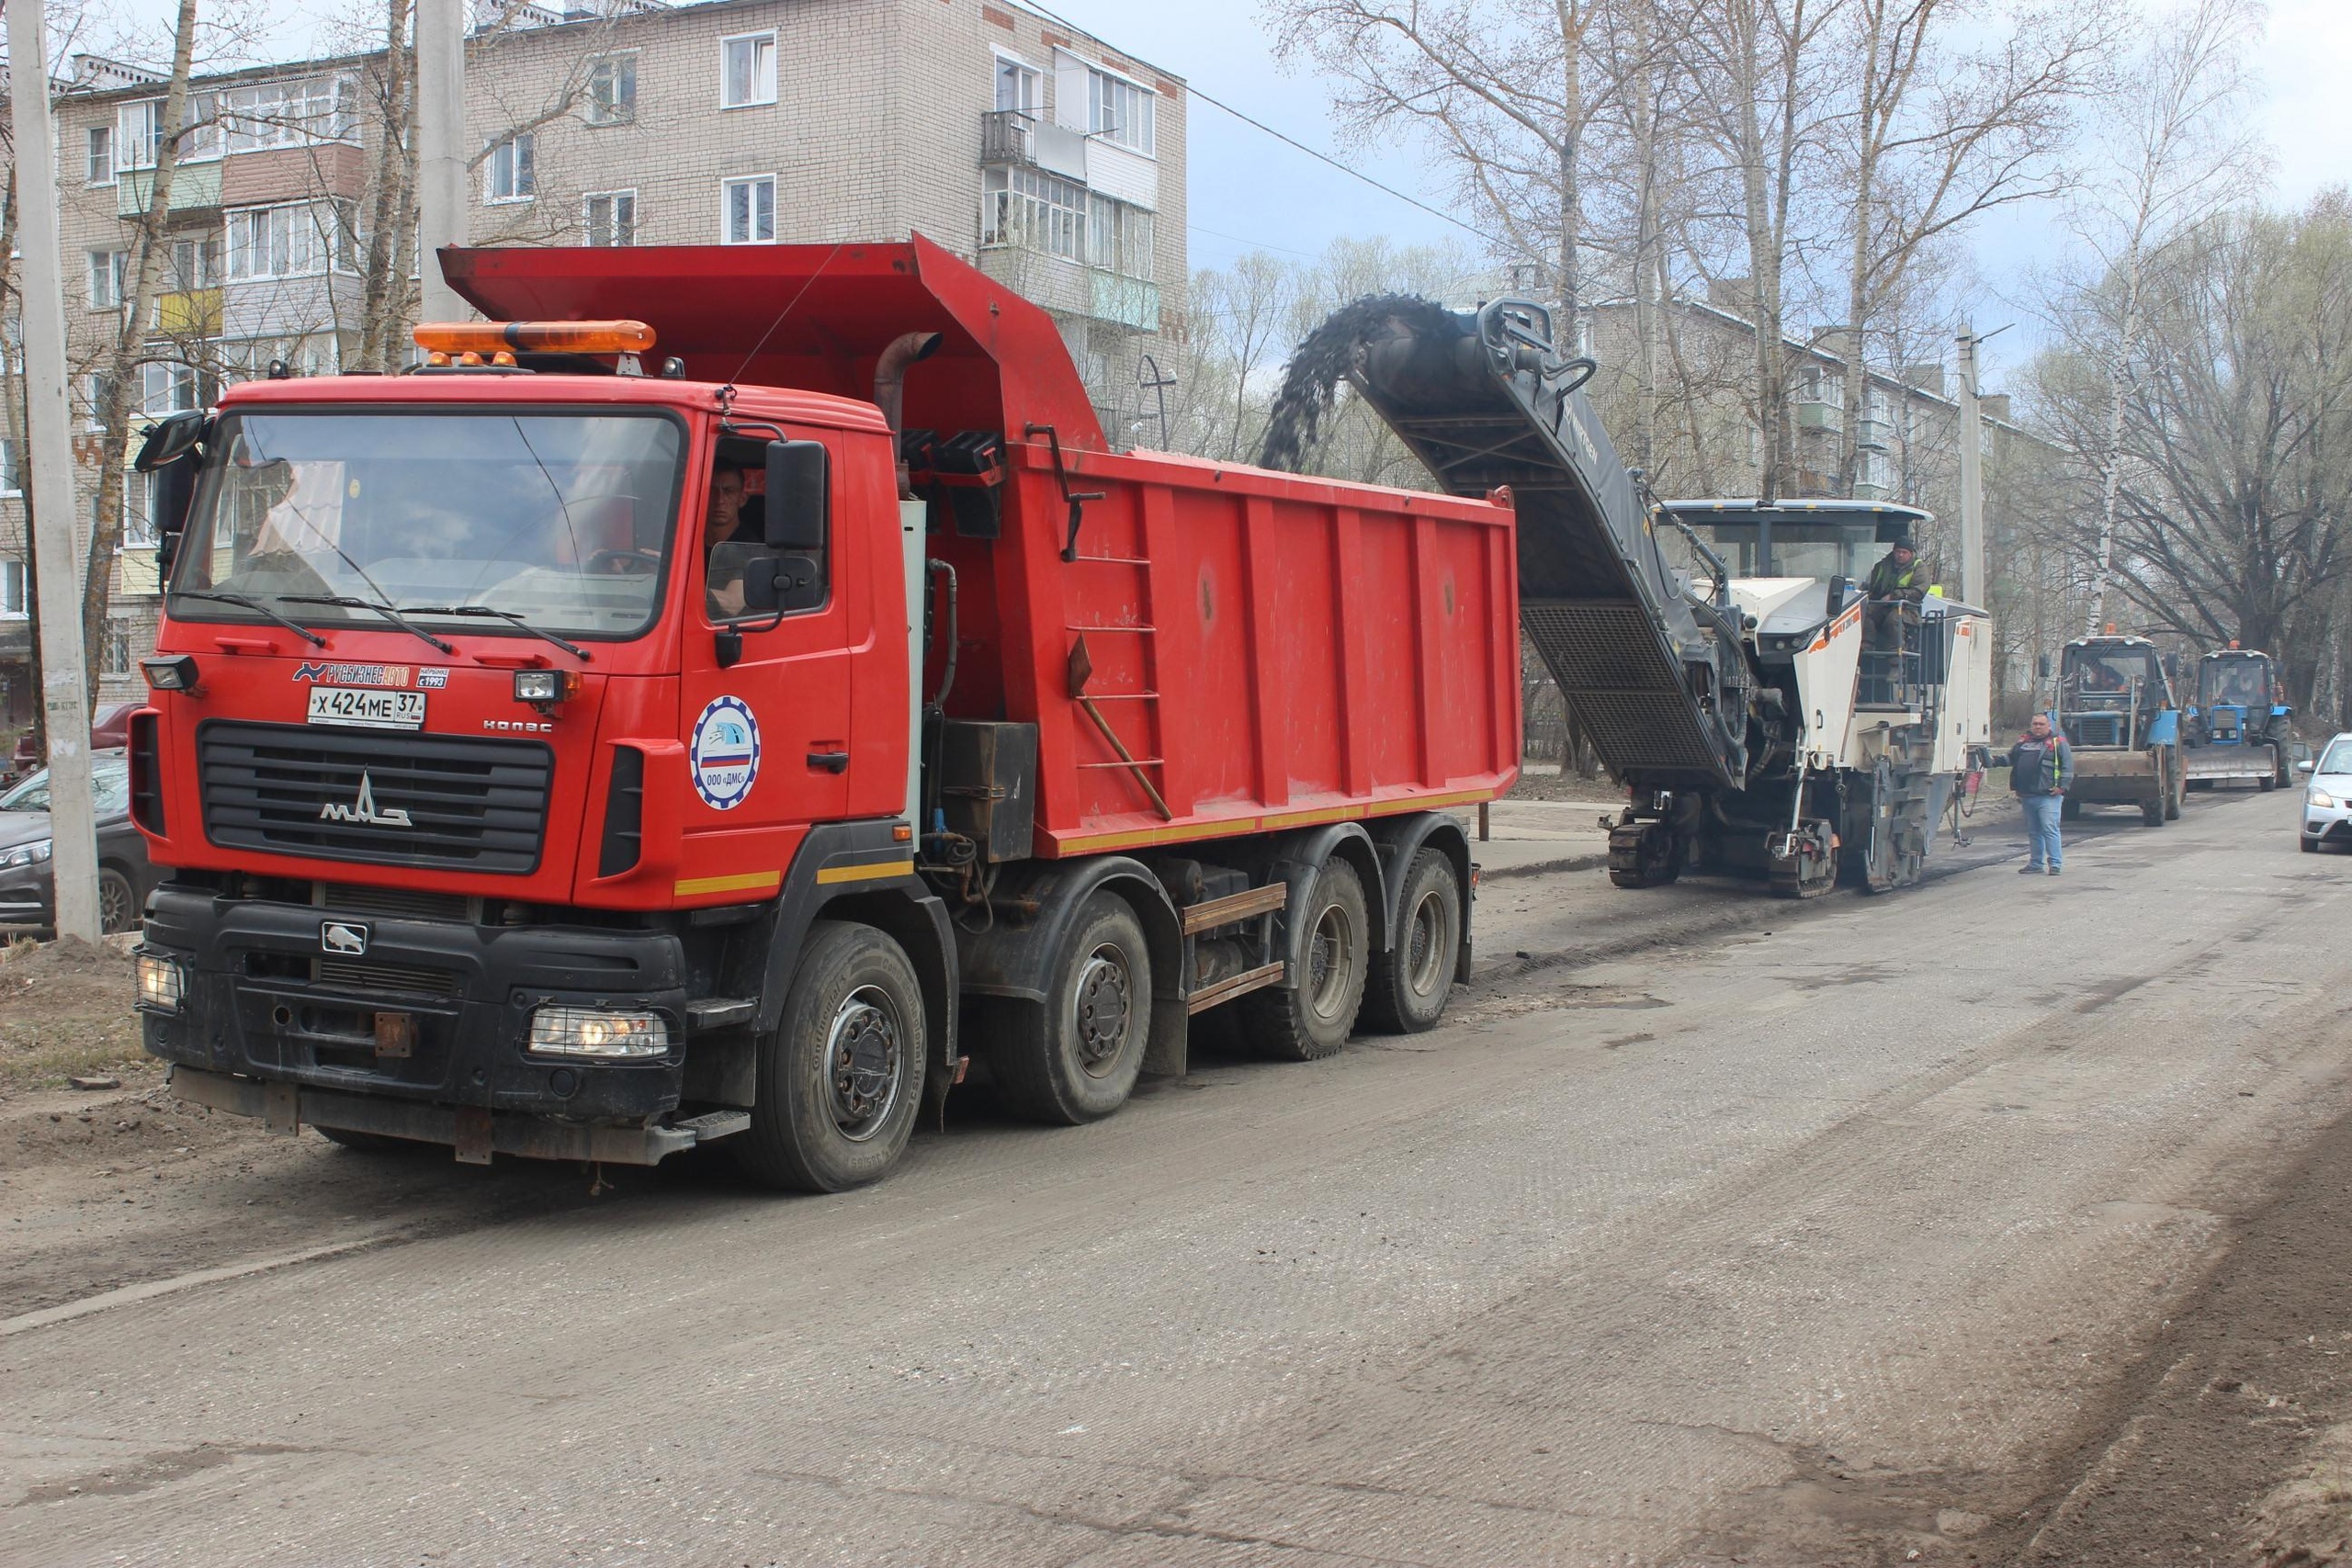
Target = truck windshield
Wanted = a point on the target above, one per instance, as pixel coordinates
(561, 519)
(1823, 550)
(2235, 682)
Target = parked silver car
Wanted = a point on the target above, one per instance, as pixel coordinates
(2327, 796)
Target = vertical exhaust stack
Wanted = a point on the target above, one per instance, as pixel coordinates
(890, 388)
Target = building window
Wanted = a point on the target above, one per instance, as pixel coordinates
(1034, 210)
(139, 133)
(747, 211)
(11, 478)
(1119, 238)
(612, 217)
(109, 279)
(15, 582)
(196, 263)
(513, 175)
(166, 389)
(295, 240)
(282, 114)
(1120, 112)
(95, 387)
(1020, 88)
(117, 659)
(101, 162)
(748, 71)
(612, 90)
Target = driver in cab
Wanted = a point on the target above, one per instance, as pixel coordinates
(725, 523)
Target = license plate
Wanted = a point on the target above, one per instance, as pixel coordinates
(364, 709)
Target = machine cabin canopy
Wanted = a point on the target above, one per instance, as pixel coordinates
(1816, 539)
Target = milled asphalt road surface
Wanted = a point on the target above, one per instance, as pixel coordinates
(1827, 1228)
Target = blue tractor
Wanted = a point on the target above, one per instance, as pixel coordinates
(2240, 727)
(2115, 708)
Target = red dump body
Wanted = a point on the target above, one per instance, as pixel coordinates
(1273, 650)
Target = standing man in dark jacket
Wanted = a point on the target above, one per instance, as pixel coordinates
(2040, 767)
(1896, 586)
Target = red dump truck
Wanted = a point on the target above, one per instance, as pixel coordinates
(733, 691)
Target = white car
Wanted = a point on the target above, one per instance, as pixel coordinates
(2327, 798)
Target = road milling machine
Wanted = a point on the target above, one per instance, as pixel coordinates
(1713, 652)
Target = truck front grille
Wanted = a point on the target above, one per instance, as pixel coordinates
(427, 800)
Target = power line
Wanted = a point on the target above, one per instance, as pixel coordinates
(1318, 155)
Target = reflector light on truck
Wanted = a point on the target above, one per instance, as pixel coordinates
(534, 337)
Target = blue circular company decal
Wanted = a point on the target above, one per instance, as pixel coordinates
(724, 753)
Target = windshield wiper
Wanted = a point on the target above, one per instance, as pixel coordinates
(347, 602)
(258, 608)
(507, 615)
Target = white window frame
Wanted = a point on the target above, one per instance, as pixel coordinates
(727, 188)
(12, 480)
(522, 176)
(726, 70)
(591, 112)
(99, 154)
(109, 280)
(1034, 75)
(1031, 209)
(138, 132)
(310, 239)
(15, 584)
(588, 221)
(1148, 146)
(304, 111)
(175, 382)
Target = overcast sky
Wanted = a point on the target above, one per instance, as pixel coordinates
(1249, 192)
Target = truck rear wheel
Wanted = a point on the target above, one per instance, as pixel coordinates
(2175, 787)
(1314, 1015)
(1082, 1064)
(841, 1079)
(1407, 986)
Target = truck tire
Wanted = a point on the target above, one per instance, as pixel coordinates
(2069, 809)
(2152, 813)
(1082, 1066)
(1313, 1017)
(1406, 987)
(841, 1079)
(2176, 788)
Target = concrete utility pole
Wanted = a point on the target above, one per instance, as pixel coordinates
(440, 151)
(1972, 477)
(65, 706)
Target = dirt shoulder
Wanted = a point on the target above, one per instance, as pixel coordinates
(2231, 1441)
(65, 1012)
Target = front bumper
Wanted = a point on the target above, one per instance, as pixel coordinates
(2328, 824)
(2116, 778)
(28, 895)
(263, 1001)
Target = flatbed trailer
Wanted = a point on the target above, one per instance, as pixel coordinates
(514, 807)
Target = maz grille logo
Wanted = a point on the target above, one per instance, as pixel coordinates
(365, 809)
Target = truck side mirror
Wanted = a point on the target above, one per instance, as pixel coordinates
(2041, 667)
(2172, 666)
(169, 439)
(798, 495)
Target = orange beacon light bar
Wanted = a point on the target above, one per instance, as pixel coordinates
(534, 337)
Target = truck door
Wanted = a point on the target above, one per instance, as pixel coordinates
(768, 737)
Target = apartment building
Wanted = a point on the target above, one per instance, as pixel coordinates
(1051, 158)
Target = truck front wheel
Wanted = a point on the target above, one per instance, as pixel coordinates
(841, 1079)
(1082, 1066)
(1409, 984)
(1313, 1016)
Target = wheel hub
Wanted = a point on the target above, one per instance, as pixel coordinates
(864, 1064)
(1429, 918)
(1102, 1002)
(1327, 960)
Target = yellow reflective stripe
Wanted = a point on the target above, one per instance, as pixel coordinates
(867, 873)
(760, 881)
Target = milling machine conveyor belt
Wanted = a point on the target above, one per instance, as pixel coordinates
(1656, 680)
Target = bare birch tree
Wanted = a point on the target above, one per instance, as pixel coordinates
(2171, 151)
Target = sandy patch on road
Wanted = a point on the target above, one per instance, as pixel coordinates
(65, 1010)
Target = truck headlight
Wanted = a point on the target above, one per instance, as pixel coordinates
(599, 1033)
(163, 983)
(26, 854)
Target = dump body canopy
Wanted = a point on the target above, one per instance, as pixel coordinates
(1274, 651)
(816, 317)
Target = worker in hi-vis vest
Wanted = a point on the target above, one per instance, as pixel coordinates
(1897, 584)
